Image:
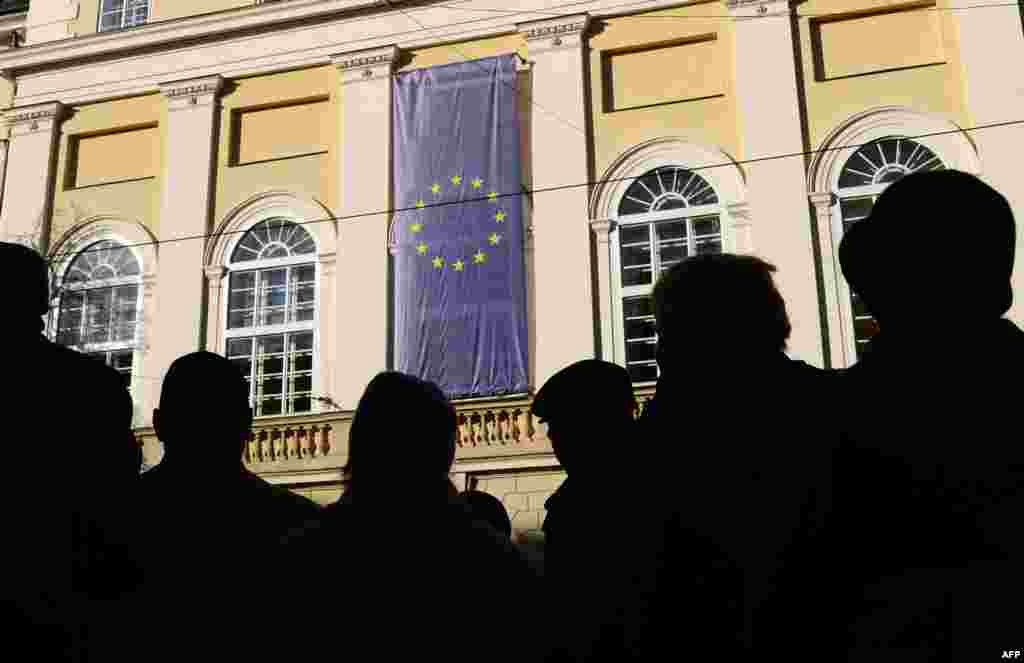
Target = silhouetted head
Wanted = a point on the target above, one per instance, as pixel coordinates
(707, 303)
(402, 438)
(30, 299)
(204, 415)
(587, 406)
(934, 241)
(488, 508)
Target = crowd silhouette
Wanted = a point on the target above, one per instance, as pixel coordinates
(759, 505)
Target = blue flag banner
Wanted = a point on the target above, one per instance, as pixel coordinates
(460, 288)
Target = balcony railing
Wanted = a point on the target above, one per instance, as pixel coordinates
(488, 428)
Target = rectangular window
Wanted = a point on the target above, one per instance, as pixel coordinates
(98, 316)
(864, 325)
(117, 14)
(648, 249)
(279, 370)
(276, 296)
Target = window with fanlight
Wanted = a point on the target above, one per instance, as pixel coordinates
(271, 314)
(665, 215)
(100, 305)
(864, 176)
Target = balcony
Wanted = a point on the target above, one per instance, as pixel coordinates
(314, 448)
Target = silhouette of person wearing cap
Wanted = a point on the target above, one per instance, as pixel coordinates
(588, 408)
(63, 547)
(745, 455)
(928, 483)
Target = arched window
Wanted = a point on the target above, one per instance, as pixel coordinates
(271, 315)
(665, 215)
(864, 176)
(99, 305)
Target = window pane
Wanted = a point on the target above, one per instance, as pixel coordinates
(706, 226)
(855, 209)
(243, 299)
(240, 347)
(640, 328)
(634, 234)
(270, 365)
(638, 306)
(269, 406)
(271, 344)
(640, 351)
(303, 341)
(243, 280)
(110, 21)
(640, 276)
(302, 404)
(273, 277)
(864, 328)
(709, 246)
(302, 384)
(270, 386)
(304, 274)
(303, 362)
(643, 372)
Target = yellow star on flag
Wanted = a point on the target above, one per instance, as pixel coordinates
(420, 204)
(422, 248)
(459, 265)
(493, 196)
(416, 227)
(438, 262)
(500, 217)
(456, 180)
(435, 188)
(494, 239)
(480, 257)
(478, 183)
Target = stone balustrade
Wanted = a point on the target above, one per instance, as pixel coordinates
(319, 442)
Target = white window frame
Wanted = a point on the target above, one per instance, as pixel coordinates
(135, 345)
(620, 292)
(124, 16)
(285, 328)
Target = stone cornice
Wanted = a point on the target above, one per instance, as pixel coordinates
(212, 26)
(757, 8)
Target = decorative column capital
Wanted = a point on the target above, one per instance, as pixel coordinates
(366, 65)
(555, 34)
(328, 263)
(739, 213)
(182, 95)
(215, 273)
(823, 201)
(34, 119)
(758, 8)
(602, 229)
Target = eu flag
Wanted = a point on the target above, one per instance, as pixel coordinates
(460, 289)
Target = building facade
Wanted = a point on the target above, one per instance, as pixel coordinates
(216, 175)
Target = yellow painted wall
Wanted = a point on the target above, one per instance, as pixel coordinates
(313, 175)
(712, 121)
(91, 163)
(925, 43)
(258, 135)
(135, 200)
(162, 10)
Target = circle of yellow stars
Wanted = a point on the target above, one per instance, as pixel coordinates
(494, 239)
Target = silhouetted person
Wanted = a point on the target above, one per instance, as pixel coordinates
(401, 564)
(489, 509)
(211, 527)
(744, 466)
(588, 408)
(71, 415)
(928, 479)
